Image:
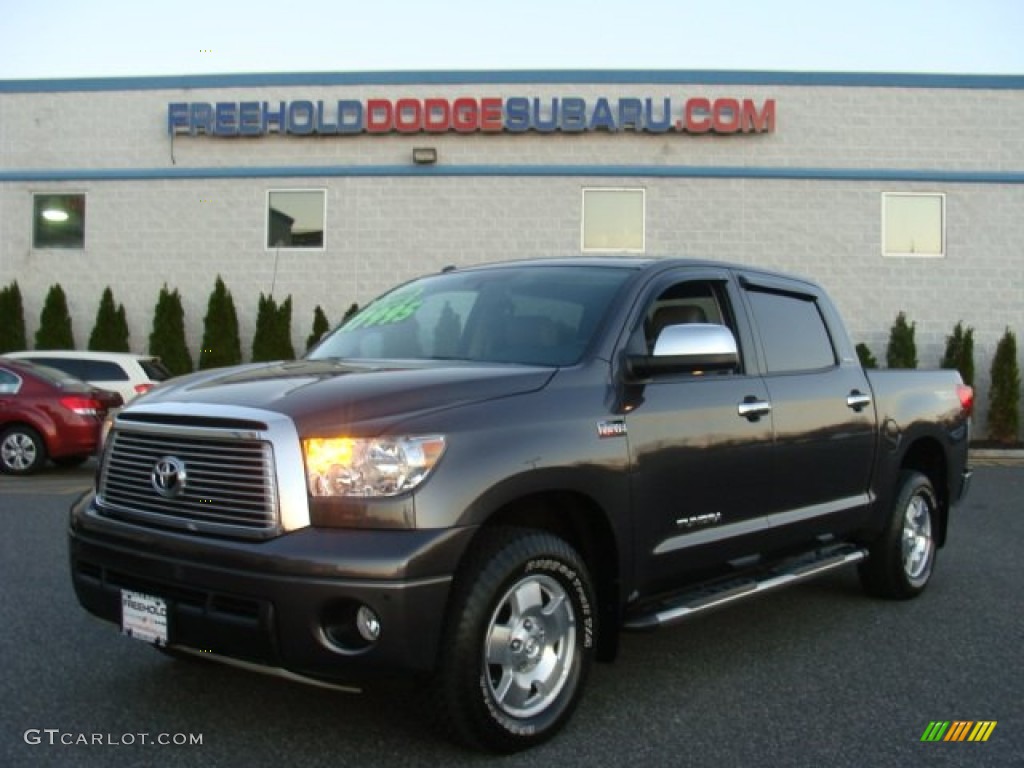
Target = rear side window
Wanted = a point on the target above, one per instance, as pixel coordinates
(100, 370)
(793, 332)
(155, 370)
(9, 383)
(71, 367)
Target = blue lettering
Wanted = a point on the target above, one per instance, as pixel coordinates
(321, 126)
(226, 121)
(662, 125)
(200, 118)
(549, 126)
(602, 117)
(630, 114)
(276, 118)
(177, 117)
(517, 115)
(574, 114)
(249, 123)
(350, 116)
(300, 117)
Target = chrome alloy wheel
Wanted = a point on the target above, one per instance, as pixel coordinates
(918, 544)
(529, 646)
(18, 452)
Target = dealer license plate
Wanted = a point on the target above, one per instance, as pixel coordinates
(144, 617)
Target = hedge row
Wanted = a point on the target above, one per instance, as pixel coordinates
(1005, 390)
(221, 344)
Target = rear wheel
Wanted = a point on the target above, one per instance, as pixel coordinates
(901, 560)
(22, 451)
(519, 643)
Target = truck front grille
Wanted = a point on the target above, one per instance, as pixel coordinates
(204, 483)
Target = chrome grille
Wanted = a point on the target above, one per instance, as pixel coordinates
(227, 485)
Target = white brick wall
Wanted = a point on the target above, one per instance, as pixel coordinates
(385, 228)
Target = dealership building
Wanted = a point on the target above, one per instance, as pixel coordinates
(897, 192)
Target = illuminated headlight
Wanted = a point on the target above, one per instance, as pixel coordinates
(367, 467)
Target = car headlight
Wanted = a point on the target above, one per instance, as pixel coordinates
(369, 467)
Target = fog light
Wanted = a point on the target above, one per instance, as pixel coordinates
(368, 624)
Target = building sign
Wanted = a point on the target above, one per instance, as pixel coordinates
(570, 114)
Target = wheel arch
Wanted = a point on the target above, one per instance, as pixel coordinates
(926, 455)
(44, 427)
(582, 523)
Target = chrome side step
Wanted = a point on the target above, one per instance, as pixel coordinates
(715, 594)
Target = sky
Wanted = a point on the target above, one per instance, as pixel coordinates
(121, 38)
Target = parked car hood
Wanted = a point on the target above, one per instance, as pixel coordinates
(330, 393)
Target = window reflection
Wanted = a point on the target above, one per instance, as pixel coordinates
(295, 218)
(913, 224)
(613, 220)
(58, 221)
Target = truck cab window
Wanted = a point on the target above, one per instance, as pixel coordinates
(693, 301)
(793, 332)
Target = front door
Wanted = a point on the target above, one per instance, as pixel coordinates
(701, 468)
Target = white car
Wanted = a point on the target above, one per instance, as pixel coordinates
(127, 374)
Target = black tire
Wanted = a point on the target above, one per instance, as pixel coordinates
(519, 641)
(22, 451)
(901, 561)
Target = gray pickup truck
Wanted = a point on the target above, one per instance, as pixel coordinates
(487, 474)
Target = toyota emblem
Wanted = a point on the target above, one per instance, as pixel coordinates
(168, 477)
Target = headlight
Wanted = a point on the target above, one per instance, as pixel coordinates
(367, 467)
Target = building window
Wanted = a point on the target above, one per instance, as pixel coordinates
(613, 220)
(295, 218)
(913, 224)
(58, 221)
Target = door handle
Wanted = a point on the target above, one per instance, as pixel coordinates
(753, 409)
(857, 400)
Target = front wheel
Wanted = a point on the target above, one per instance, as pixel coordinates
(900, 562)
(519, 641)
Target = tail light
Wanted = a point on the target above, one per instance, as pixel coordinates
(141, 389)
(83, 406)
(966, 395)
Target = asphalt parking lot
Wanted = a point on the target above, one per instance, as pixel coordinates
(811, 676)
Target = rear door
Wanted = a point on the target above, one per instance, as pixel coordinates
(822, 411)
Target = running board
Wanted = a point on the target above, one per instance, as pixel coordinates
(715, 594)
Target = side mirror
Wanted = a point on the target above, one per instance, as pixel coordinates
(691, 348)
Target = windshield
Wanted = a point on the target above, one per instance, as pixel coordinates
(529, 315)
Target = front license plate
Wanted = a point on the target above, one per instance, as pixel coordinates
(144, 617)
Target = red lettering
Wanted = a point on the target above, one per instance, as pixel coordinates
(758, 122)
(465, 115)
(408, 116)
(379, 116)
(437, 115)
(691, 121)
(725, 116)
(490, 115)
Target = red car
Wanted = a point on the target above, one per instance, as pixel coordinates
(44, 413)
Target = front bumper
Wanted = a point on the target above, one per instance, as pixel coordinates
(285, 603)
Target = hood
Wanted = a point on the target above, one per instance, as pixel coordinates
(321, 395)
